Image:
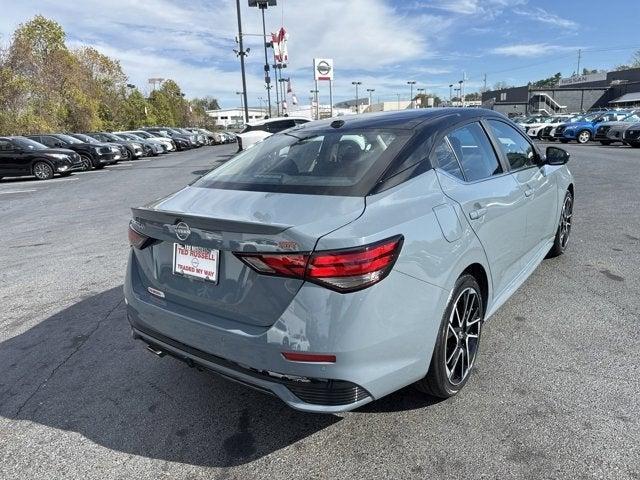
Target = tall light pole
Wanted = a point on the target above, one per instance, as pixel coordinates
(450, 93)
(370, 90)
(262, 5)
(420, 92)
(356, 84)
(461, 82)
(315, 97)
(242, 104)
(241, 53)
(411, 83)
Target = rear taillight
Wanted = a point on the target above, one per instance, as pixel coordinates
(344, 271)
(137, 239)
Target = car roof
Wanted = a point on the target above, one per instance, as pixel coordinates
(256, 123)
(405, 119)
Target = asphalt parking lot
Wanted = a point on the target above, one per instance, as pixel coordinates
(555, 393)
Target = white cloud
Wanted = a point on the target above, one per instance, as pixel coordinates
(530, 49)
(471, 7)
(540, 15)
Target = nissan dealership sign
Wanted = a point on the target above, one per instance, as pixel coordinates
(576, 79)
(323, 68)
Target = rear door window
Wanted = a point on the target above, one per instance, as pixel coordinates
(474, 152)
(446, 159)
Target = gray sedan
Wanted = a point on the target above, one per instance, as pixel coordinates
(341, 260)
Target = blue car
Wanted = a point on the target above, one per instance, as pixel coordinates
(583, 129)
(338, 261)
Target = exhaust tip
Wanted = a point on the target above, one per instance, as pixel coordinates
(156, 351)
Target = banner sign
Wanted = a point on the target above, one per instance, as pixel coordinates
(323, 68)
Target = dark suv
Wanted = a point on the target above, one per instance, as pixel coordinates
(22, 156)
(92, 155)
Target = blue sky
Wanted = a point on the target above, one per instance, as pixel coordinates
(383, 43)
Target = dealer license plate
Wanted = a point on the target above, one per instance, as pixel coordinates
(195, 262)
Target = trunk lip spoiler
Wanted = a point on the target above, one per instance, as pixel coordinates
(169, 217)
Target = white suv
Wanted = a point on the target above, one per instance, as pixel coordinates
(253, 132)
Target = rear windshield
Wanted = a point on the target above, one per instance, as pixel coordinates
(329, 162)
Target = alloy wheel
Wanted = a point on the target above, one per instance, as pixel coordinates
(86, 163)
(42, 171)
(565, 220)
(463, 336)
(584, 136)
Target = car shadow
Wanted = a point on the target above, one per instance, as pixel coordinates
(79, 370)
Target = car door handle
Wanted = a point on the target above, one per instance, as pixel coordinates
(477, 214)
(528, 192)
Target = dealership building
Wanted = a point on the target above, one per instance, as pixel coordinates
(579, 93)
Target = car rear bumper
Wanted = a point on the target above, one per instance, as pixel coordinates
(107, 158)
(379, 348)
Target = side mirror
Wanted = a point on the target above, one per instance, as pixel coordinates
(556, 156)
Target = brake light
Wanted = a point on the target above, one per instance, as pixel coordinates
(136, 239)
(344, 271)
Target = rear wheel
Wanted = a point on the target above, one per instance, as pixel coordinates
(583, 136)
(564, 227)
(458, 341)
(42, 171)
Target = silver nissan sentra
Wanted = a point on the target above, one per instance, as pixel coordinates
(341, 260)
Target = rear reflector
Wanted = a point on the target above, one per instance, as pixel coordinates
(309, 357)
(344, 271)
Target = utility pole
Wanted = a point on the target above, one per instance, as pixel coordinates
(579, 55)
(450, 94)
(242, 54)
(263, 5)
(411, 83)
(315, 97)
(370, 90)
(485, 82)
(356, 84)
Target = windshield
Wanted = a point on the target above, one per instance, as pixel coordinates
(112, 137)
(85, 138)
(28, 144)
(141, 134)
(67, 138)
(634, 117)
(320, 162)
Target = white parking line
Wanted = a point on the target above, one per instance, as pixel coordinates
(36, 183)
(90, 171)
(9, 192)
(120, 165)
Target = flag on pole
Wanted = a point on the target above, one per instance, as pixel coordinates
(279, 41)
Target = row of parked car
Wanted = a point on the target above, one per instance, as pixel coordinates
(606, 127)
(46, 155)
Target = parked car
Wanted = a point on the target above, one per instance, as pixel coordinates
(92, 155)
(86, 138)
(150, 147)
(21, 156)
(132, 150)
(583, 129)
(165, 140)
(549, 129)
(536, 130)
(383, 241)
(182, 141)
(631, 135)
(259, 130)
(611, 132)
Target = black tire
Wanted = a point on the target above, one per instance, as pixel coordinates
(561, 240)
(635, 144)
(128, 155)
(564, 140)
(439, 382)
(605, 142)
(539, 135)
(99, 166)
(43, 171)
(583, 136)
(65, 174)
(87, 163)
